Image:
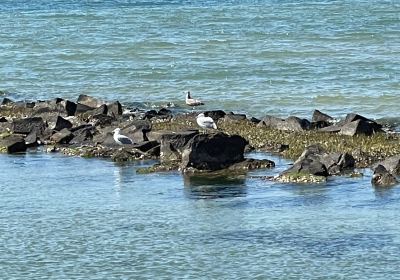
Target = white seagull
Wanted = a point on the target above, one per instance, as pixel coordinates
(205, 122)
(191, 101)
(121, 139)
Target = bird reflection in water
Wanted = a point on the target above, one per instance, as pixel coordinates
(207, 186)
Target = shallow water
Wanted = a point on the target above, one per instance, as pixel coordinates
(251, 56)
(74, 218)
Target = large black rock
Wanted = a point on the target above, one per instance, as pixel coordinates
(316, 161)
(13, 144)
(27, 125)
(211, 152)
(174, 143)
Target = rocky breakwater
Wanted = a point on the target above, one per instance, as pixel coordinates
(320, 147)
(85, 128)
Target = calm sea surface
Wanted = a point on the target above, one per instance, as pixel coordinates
(277, 57)
(73, 218)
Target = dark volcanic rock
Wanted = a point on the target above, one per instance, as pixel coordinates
(62, 137)
(273, 147)
(137, 130)
(234, 117)
(101, 110)
(318, 116)
(82, 134)
(382, 177)
(114, 109)
(89, 101)
(209, 152)
(13, 144)
(251, 164)
(54, 107)
(62, 123)
(215, 115)
(316, 161)
(82, 108)
(27, 125)
(360, 127)
(102, 120)
(146, 146)
(7, 101)
(290, 124)
(174, 143)
(391, 164)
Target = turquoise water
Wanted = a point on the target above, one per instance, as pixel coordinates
(73, 218)
(251, 56)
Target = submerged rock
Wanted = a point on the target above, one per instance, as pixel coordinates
(382, 177)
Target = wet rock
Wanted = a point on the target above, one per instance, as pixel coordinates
(101, 110)
(114, 109)
(273, 147)
(212, 152)
(54, 107)
(215, 115)
(62, 123)
(300, 178)
(127, 154)
(318, 116)
(13, 144)
(27, 125)
(255, 120)
(234, 117)
(290, 124)
(382, 177)
(31, 140)
(7, 101)
(251, 164)
(336, 163)
(146, 145)
(62, 137)
(160, 167)
(360, 126)
(137, 130)
(316, 161)
(89, 101)
(5, 127)
(391, 164)
(102, 120)
(83, 134)
(173, 144)
(82, 108)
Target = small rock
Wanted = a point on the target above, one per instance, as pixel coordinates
(382, 177)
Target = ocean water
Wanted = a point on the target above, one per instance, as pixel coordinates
(75, 218)
(259, 57)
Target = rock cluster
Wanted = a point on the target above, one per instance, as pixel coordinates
(84, 128)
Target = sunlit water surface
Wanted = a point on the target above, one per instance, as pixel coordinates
(74, 218)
